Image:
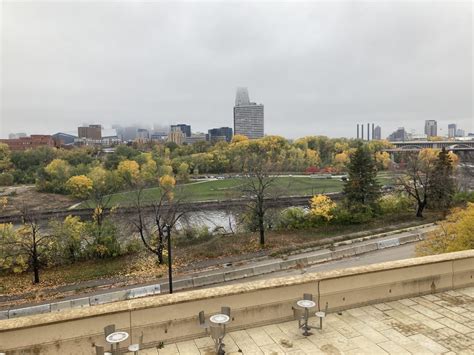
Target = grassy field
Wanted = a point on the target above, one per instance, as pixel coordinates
(229, 188)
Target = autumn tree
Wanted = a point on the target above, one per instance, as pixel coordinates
(165, 211)
(258, 185)
(148, 170)
(361, 187)
(444, 185)
(419, 181)
(322, 207)
(104, 183)
(183, 172)
(6, 178)
(55, 176)
(70, 235)
(129, 172)
(454, 234)
(25, 248)
(79, 186)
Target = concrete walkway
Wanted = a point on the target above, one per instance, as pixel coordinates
(441, 323)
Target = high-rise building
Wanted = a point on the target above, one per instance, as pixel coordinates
(452, 130)
(399, 135)
(377, 133)
(248, 116)
(186, 129)
(143, 134)
(176, 135)
(92, 132)
(460, 132)
(219, 134)
(431, 128)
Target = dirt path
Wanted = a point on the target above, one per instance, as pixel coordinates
(26, 195)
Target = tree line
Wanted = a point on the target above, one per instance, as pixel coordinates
(51, 169)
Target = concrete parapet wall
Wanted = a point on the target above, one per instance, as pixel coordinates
(173, 317)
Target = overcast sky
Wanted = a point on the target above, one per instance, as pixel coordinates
(318, 67)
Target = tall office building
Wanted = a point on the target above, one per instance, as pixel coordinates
(377, 133)
(176, 135)
(248, 116)
(143, 134)
(186, 129)
(218, 134)
(431, 128)
(460, 132)
(399, 135)
(452, 130)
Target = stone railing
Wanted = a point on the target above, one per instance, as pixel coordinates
(171, 318)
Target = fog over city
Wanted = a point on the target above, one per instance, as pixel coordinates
(318, 67)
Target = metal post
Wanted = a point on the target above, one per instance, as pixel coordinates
(170, 272)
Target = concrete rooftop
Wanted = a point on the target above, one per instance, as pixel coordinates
(441, 323)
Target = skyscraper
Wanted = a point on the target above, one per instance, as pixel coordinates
(452, 130)
(223, 133)
(248, 116)
(399, 135)
(377, 133)
(186, 129)
(431, 128)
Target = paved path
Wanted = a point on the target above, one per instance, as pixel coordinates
(441, 323)
(396, 253)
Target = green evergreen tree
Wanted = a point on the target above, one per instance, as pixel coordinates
(361, 187)
(443, 184)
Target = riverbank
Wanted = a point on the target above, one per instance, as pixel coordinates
(212, 253)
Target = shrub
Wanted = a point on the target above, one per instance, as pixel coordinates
(357, 214)
(395, 203)
(454, 234)
(464, 197)
(105, 239)
(293, 218)
(6, 179)
(193, 235)
(322, 208)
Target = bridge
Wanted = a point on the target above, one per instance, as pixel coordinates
(414, 146)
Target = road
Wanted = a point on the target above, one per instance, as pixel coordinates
(401, 252)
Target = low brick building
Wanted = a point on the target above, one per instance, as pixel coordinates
(31, 142)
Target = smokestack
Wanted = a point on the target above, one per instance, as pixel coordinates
(368, 131)
(357, 131)
(362, 130)
(373, 131)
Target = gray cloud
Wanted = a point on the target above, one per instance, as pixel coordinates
(319, 67)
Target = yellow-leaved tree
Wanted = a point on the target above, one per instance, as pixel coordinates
(322, 207)
(149, 170)
(383, 160)
(340, 160)
(456, 233)
(129, 171)
(79, 186)
(166, 213)
(167, 184)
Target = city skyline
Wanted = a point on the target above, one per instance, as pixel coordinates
(78, 63)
